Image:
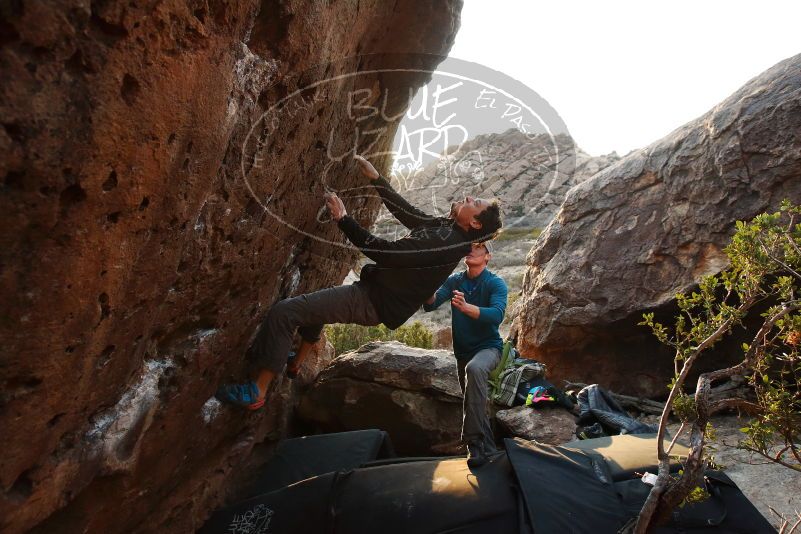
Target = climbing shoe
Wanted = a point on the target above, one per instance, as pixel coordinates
(592, 431)
(243, 395)
(476, 456)
(291, 371)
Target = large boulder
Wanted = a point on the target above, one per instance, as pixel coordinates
(552, 425)
(442, 338)
(155, 203)
(627, 240)
(411, 393)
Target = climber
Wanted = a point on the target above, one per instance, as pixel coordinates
(478, 303)
(405, 273)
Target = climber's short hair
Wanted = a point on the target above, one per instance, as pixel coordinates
(491, 223)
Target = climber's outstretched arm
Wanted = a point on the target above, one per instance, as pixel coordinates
(399, 207)
(405, 252)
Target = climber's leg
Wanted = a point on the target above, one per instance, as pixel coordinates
(293, 367)
(307, 313)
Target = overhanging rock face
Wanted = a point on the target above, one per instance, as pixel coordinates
(625, 241)
(155, 203)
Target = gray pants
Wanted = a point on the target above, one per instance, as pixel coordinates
(309, 313)
(474, 381)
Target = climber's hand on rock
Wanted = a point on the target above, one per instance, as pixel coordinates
(335, 206)
(366, 167)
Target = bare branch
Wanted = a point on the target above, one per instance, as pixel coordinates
(777, 260)
(789, 236)
(782, 451)
(780, 516)
(685, 370)
(672, 443)
(792, 242)
(794, 451)
(767, 326)
(771, 458)
(795, 526)
(654, 496)
(723, 404)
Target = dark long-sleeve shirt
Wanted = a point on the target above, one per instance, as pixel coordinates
(487, 291)
(406, 271)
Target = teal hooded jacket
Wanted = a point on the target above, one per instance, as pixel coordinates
(487, 291)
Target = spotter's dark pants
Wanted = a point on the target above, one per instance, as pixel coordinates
(474, 381)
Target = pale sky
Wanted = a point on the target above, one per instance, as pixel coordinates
(623, 74)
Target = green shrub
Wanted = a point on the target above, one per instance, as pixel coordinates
(513, 234)
(763, 280)
(414, 335)
(348, 337)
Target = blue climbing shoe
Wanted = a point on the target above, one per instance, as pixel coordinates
(243, 395)
(291, 370)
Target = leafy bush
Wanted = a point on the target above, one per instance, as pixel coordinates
(512, 234)
(765, 271)
(414, 335)
(348, 337)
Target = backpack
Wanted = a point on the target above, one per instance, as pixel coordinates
(513, 371)
(508, 354)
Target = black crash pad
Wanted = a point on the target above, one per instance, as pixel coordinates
(565, 490)
(300, 458)
(429, 496)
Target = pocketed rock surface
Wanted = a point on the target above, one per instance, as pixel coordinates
(152, 214)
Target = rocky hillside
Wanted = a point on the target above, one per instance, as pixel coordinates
(627, 240)
(160, 185)
(529, 175)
